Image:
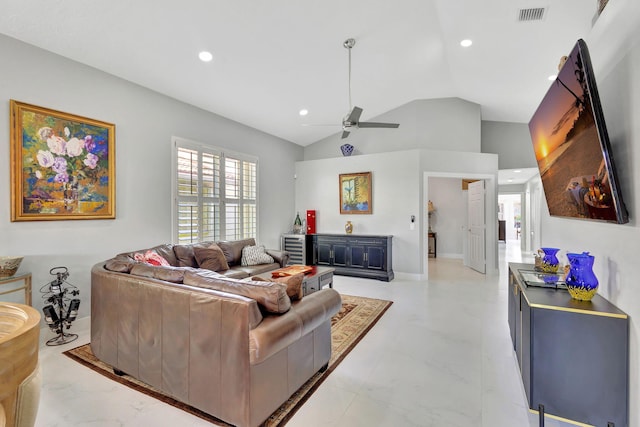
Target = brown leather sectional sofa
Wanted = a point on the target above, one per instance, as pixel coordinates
(237, 356)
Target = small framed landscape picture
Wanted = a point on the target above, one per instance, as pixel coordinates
(355, 193)
(62, 165)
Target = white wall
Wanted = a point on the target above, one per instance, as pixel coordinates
(400, 190)
(145, 122)
(449, 220)
(614, 45)
(395, 193)
(428, 124)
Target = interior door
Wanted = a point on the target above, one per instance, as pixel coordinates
(477, 226)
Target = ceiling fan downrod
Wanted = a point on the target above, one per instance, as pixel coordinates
(348, 44)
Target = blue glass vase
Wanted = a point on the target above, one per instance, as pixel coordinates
(582, 284)
(549, 262)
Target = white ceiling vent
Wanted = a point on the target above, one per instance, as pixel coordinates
(532, 14)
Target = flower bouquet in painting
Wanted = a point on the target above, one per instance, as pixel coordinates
(65, 165)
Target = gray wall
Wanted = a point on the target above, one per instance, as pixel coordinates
(424, 124)
(511, 141)
(145, 122)
(511, 188)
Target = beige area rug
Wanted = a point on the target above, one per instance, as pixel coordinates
(356, 317)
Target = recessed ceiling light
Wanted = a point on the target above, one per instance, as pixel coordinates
(304, 112)
(517, 171)
(205, 56)
(510, 180)
(466, 43)
(552, 77)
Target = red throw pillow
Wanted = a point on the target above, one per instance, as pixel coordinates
(151, 258)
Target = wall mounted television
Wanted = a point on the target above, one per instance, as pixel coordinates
(572, 146)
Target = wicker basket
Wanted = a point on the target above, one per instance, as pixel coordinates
(9, 265)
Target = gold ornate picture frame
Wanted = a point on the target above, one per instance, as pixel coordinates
(355, 193)
(62, 165)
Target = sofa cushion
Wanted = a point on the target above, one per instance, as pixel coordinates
(252, 270)
(235, 273)
(255, 255)
(121, 264)
(168, 274)
(185, 256)
(271, 296)
(211, 258)
(233, 249)
(294, 284)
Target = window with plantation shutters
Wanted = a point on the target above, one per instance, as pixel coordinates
(215, 194)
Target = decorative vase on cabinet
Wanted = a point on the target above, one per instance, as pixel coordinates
(348, 227)
(550, 262)
(582, 283)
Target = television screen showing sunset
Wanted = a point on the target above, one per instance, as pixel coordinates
(573, 167)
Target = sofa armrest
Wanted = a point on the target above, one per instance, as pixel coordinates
(277, 332)
(281, 257)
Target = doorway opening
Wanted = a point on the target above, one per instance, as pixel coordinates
(510, 212)
(451, 226)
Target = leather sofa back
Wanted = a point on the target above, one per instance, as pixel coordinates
(210, 349)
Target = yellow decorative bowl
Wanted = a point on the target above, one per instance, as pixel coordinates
(9, 265)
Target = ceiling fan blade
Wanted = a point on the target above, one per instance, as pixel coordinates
(319, 124)
(377, 125)
(345, 133)
(354, 116)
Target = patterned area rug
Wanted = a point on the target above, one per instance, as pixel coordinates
(356, 317)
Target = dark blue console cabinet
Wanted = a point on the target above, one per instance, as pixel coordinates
(355, 255)
(573, 355)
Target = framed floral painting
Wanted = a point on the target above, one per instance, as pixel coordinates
(62, 165)
(355, 193)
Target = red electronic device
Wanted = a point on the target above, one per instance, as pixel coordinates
(311, 222)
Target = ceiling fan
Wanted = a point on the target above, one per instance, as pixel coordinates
(352, 119)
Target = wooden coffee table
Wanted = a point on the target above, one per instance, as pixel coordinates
(313, 281)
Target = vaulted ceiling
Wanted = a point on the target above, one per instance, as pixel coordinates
(272, 59)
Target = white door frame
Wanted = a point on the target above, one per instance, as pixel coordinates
(491, 211)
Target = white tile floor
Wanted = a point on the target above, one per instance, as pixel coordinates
(441, 356)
